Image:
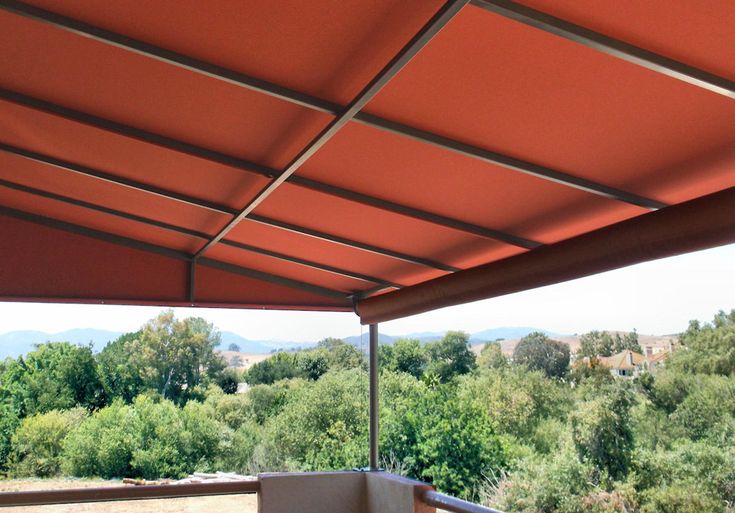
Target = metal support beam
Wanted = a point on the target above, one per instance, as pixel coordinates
(305, 100)
(609, 46)
(374, 417)
(192, 280)
(450, 9)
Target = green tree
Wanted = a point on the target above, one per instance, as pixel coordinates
(176, 356)
(538, 352)
(710, 347)
(626, 342)
(228, 381)
(279, 366)
(313, 364)
(595, 343)
(120, 372)
(451, 356)
(346, 356)
(444, 440)
(405, 355)
(55, 376)
(492, 357)
(517, 400)
(233, 347)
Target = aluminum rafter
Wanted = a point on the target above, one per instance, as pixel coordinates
(318, 104)
(172, 253)
(220, 158)
(214, 207)
(197, 234)
(609, 45)
(426, 34)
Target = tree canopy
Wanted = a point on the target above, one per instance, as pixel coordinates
(538, 352)
(451, 356)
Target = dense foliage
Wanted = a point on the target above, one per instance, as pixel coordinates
(521, 434)
(538, 352)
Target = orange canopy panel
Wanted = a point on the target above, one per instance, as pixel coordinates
(386, 157)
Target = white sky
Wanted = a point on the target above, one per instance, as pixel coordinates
(655, 298)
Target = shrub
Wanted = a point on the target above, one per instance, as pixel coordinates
(555, 485)
(165, 446)
(712, 469)
(9, 422)
(150, 439)
(103, 444)
(38, 443)
(267, 401)
(237, 454)
(601, 431)
(681, 498)
(517, 399)
(435, 436)
(202, 437)
(324, 425)
(231, 410)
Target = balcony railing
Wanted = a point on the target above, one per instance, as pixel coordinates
(422, 493)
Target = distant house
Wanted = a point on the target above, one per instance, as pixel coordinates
(657, 359)
(625, 364)
(628, 364)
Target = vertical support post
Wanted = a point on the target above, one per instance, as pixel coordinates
(374, 397)
(192, 279)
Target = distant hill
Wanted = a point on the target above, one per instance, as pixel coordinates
(479, 337)
(16, 343)
(259, 346)
(507, 333)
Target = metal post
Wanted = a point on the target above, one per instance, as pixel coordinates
(373, 397)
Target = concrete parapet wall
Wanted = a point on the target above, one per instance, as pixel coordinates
(340, 492)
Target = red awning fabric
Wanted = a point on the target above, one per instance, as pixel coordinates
(340, 155)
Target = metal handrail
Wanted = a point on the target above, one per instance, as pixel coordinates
(448, 503)
(126, 493)
(173, 491)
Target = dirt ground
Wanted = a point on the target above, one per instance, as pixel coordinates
(223, 504)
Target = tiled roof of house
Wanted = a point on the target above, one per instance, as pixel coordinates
(624, 360)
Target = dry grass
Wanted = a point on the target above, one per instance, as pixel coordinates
(223, 504)
(248, 359)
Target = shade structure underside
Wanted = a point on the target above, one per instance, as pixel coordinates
(337, 155)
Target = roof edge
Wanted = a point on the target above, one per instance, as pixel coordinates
(702, 223)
